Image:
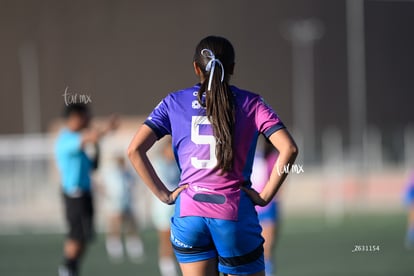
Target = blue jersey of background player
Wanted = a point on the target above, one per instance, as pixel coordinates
(214, 129)
(74, 165)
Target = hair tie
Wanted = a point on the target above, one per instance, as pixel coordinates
(211, 65)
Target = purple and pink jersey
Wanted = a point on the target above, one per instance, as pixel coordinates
(210, 193)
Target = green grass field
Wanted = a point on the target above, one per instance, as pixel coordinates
(307, 246)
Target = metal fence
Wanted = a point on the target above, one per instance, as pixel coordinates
(30, 192)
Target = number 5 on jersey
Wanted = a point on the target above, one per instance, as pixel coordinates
(199, 139)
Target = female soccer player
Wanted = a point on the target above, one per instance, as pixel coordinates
(214, 129)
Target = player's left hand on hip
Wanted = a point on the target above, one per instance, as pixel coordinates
(254, 196)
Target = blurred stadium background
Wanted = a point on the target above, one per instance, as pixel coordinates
(339, 73)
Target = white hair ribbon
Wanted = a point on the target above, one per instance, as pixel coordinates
(211, 65)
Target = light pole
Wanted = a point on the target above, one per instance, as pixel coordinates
(356, 77)
(303, 34)
(30, 88)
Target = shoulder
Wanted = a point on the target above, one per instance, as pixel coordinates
(189, 92)
(74, 135)
(65, 134)
(179, 100)
(245, 95)
(246, 99)
(250, 97)
(67, 139)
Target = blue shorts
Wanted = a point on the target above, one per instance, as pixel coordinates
(238, 245)
(270, 214)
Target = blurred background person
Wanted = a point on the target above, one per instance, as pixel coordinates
(122, 228)
(409, 198)
(167, 169)
(75, 168)
(264, 160)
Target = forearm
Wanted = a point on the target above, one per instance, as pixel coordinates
(90, 136)
(93, 135)
(288, 151)
(279, 173)
(95, 160)
(143, 140)
(148, 175)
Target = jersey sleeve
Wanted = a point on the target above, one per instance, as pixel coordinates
(267, 121)
(159, 120)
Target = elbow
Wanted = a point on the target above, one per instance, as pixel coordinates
(131, 151)
(292, 150)
(135, 151)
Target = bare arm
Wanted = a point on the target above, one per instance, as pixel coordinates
(143, 140)
(93, 135)
(288, 151)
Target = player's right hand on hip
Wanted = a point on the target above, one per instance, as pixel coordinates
(174, 194)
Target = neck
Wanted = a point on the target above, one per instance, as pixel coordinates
(73, 127)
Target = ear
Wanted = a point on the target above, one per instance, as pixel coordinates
(197, 69)
(231, 69)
